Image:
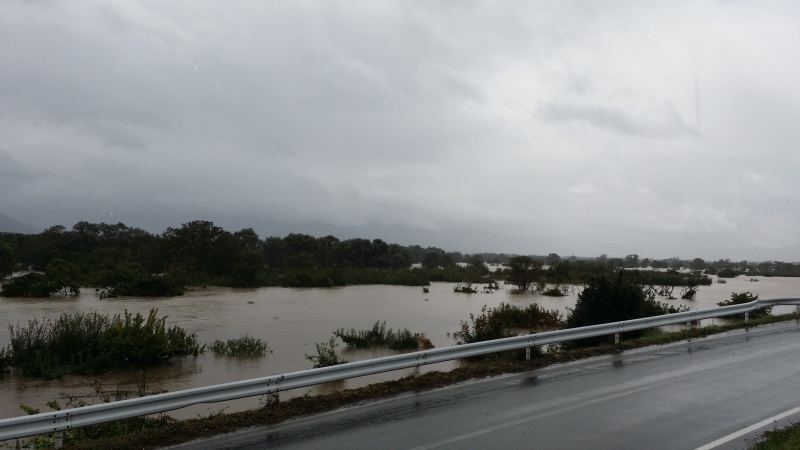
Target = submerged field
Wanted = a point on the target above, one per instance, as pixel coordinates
(291, 322)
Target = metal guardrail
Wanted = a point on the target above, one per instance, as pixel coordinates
(58, 421)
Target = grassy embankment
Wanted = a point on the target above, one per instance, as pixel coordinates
(785, 439)
(155, 433)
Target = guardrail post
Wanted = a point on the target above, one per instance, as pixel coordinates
(527, 353)
(415, 373)
(746, 316)
(616, 338)
(59, 439)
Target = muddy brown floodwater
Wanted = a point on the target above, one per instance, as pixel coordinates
(291, 321)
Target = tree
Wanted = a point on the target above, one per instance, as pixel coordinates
(631, 261)
(273, 252)
(522, 272)
(560, 272)
(746, 297)
(659, 264)
(246, 239)
(33, 284)
(612, 297)
(64, 276)
(697, 264)
(552, 258)
(247, 269)
(353, 253)
(476, 264)
(727, 273)
(200, 247)
(399, 257)
(301, 251)
(326, 247)
(378, 255)
(436, 257)
(7, 261)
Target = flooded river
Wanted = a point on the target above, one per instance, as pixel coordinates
(291, 321)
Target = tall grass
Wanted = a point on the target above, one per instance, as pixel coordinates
(379, 336)
(98, 394)
(505, 321)
(243, 346)
(326, 354)
(90, 343)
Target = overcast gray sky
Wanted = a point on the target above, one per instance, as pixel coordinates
(658, 128)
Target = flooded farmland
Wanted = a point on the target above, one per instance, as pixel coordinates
(292, 321)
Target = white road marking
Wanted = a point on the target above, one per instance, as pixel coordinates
(740, 433)
(562, 405)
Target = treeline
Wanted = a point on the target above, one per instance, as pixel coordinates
(730, 268)
(121, 260)
(524, 273)
(727, 267)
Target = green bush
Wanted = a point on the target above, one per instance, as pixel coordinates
(97, 395)
(88, 343)
(243, 346)
(613, 297)
(378, 336)
(148, 286)
(4, 360)
(326, 355)
(505, 321)
(465, 289)
(746, 297)
(32, 285)
(727, 273)
(553, 292)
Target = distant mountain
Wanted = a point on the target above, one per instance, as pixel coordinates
(9, 225)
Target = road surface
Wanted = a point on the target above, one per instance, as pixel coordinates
(681, 396)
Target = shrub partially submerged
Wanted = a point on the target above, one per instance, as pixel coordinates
(33, 285)
(378, 336)
(506, 321)
(326, 354)
(89, 343)
(243, 346)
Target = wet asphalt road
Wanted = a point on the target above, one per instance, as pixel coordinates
(681, 396)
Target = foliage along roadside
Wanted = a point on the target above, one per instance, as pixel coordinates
(610, 296)
(746, 297)
(613, 297)
(506, 321)
(98, 394)
(780, 439)
(173, 432)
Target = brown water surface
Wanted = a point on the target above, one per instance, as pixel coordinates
(291, 321)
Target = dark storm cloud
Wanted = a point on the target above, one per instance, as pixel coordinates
(570, 125)
(663, 123)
